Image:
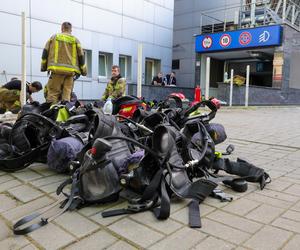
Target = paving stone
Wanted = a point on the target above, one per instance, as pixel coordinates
(235, 221)
(294, 190)
(276, 173)
(5, 178)
(164, 226)
(9, 184)
(42, 169)
(27, 208)
(241, 206)
(76, 224)
(215, 244)
(109, 220)
(30, 247)
(293, 244)
(290, 179)
(296, 207)
(280, 195)
(98, 240)
(264, 213)
(26, 175)
(214, 202)
(287, 224)
(6, 203)
(224, 232)
(50, 188)
(16, 242)
(183, 214)
(177, 204)
(5, 232)
(51, 237)
(128, 229)
(121, 245)
(268, 238)
(270, 201)
(186, 236)
(278, 185)
(292, 215)
(25, 193)
(49, 180)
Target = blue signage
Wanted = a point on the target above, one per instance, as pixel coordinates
(239, 39)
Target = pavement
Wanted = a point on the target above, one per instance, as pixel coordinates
(268, 219)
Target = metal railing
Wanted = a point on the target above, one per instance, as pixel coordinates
(251, 14)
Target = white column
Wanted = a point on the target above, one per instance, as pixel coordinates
(23, 85)
(207, 75)
(247, 86)
(283, 10)
(253, 6)
(231, 88)
(140, 70)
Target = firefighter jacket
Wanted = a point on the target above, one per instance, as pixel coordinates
(63, 55)
(115, 88)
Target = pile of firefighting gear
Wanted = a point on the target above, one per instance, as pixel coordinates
(155, 154)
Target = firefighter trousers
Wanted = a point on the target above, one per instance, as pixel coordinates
(59, 88)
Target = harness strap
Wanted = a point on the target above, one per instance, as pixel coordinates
(44, 221)
(194, 214)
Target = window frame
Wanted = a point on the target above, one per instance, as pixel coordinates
(105, 64)
(126, 65)
(88, 62)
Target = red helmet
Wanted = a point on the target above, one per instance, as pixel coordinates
(216, 102)
(180, 95)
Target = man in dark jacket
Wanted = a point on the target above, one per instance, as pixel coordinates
(157, 80)
(170, 79)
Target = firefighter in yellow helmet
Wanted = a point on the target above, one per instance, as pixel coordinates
(64, 58)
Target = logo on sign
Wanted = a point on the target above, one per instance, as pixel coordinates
(207, 42)
(264, 37)
(245, 38)
(225, 40)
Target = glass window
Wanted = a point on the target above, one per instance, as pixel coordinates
(105, 63)
(125, 66)
(176, 64)
(88, 61)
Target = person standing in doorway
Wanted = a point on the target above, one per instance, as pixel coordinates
(63, 58)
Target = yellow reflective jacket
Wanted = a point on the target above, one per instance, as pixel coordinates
(63, 55)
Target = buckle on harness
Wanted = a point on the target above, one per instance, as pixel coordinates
(219, 194)
(137, 207)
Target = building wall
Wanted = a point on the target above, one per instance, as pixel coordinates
(113, 26)
(187, 19)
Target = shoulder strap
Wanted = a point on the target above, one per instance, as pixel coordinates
(17, 228)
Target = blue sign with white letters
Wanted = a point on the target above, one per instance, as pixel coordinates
(239, 39)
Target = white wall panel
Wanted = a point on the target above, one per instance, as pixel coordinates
(163, 17)
(41, 31)
(57, 11)
(162, 36)
(16, 6)
(10, 59)
(102, 21)
(137, 30)
(112, 5)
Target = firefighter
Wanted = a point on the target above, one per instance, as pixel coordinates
(116, 86)
(64, 58)
(10, 94)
